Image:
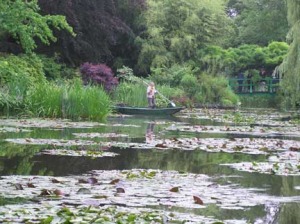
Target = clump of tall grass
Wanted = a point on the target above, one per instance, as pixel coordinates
(68, 100)
(132, 94)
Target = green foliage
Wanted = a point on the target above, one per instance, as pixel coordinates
(170, 76)
(190, 84)
(215, 90)
(54, 70)
(259, 101)
(21, 20)
(176, 29)
(18, 74)
(215, 60)
(258, 22)
(290, 67)
(133, 94)
(68, 100)
(274, 53)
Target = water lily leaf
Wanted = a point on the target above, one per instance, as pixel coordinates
(55, 181)
(92, 180)
(83, 191)
(198, 200)
(30, 185)
(45, 192)
(48, 220)
(115, 181)
(83, 181)
(161, 146)
(131, 218)
(120, 190)
(100, 197)
(19, 187)
(295, 149)
(58, 192)
(174, 189)
(28, 140)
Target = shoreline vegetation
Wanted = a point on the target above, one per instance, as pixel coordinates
(193, 70)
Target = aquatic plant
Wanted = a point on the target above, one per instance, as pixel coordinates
(68, 100)
(132, 94)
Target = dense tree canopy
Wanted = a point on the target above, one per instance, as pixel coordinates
(103, 34)
(21, 20)
(259, 22)
(177, 28)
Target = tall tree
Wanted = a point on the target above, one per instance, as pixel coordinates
(177, 28)
(21, 21)
(291, 66)
(103, 35)
(259, 21)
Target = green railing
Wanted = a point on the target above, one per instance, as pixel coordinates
(264, 85)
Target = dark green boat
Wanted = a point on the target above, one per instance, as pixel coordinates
(146, 110)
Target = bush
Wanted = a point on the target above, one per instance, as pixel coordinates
(215, 90)
(99, 74)
(190, 84)
(55, 70)
(170, 76)
(18, 74)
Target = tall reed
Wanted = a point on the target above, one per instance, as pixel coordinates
(69, 100)
(133, 94)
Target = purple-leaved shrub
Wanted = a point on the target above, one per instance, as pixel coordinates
(99, 74)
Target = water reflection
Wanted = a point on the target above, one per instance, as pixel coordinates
(150, 132)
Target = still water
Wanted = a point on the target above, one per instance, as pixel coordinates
(26, 159)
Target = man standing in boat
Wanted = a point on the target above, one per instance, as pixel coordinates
(151, 95)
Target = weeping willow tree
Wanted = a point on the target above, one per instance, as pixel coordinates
(290, 68)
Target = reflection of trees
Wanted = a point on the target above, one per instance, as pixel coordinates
(9, 201)
(9, 150)
(188, 161)
(289, 213)
(272, 210)
(280, 213)
(17, 159)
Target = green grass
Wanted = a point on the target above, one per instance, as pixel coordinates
(69, 100)
(132, 94)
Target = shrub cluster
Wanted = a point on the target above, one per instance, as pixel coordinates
(24, 89)
(99, 74)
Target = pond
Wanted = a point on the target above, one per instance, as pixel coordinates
(200, 166)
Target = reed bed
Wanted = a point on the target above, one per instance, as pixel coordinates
(69, 100)
(132, 94)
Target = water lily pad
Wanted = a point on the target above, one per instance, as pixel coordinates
(256, 131)
(137, 195)
(12, 129)
(100, 135)
(56, 142)
(69, 152)
(47, 123)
